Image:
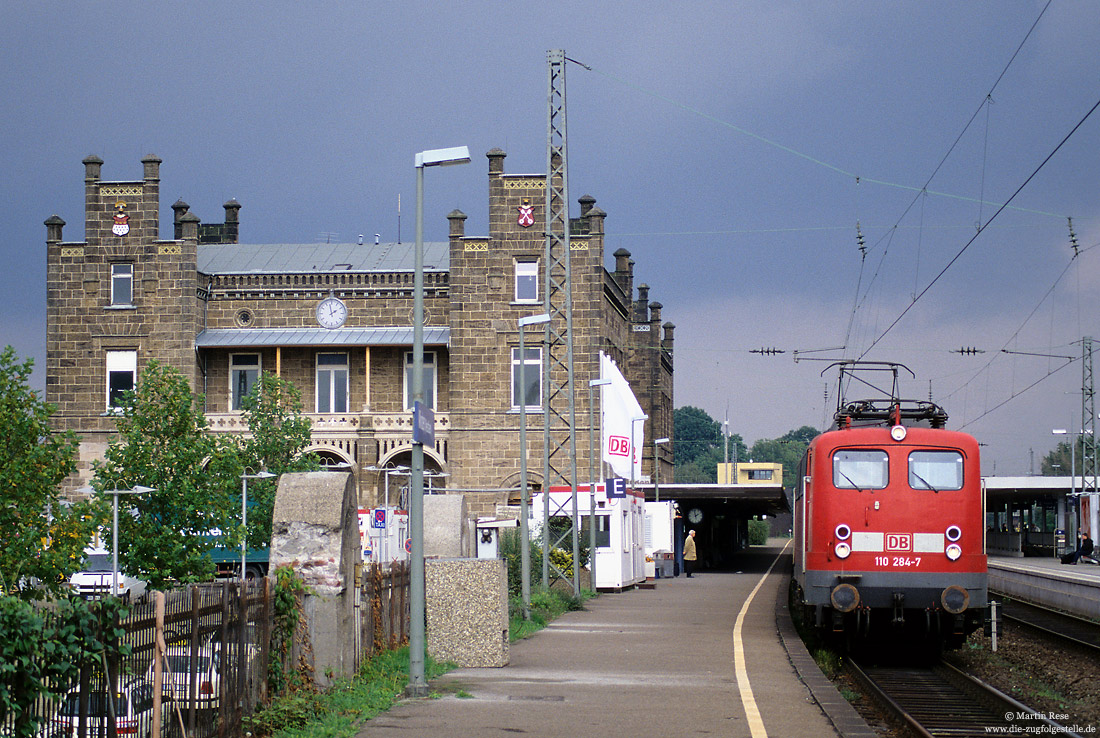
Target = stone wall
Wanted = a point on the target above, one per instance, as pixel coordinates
(467, 611)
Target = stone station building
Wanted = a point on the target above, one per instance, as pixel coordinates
(336, 320)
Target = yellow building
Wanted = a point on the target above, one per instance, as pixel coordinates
(752, 472)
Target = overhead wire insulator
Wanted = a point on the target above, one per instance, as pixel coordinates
(860, 242)
(968, 351)
(1073, 239)
(767, 351)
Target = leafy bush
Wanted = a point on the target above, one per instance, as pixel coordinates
(758, 532)
(41, 652)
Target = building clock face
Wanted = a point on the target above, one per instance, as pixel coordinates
(331, 312)
(695, 515)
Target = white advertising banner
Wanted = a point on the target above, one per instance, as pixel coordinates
(623, 427)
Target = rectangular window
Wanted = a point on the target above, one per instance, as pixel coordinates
(122, 284)
(936, 470)
(760, 474)
(332, 383)
(121, 376)
(244, 370)
(429, 379)
(527, 281)
(603, 530)
(531, 394)
(860, 469)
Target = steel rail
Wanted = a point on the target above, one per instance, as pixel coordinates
(941, 701)
(1057, 625)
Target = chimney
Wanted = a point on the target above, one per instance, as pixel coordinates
(189, 227)
(232, 220)
(655, 313)
(93, 165)
(496, 161)
(666, 342)
(457, 220)
(53, 224)
(152, 168)
(179, 209)
(586, 201)
(641, 305)
(623, 275)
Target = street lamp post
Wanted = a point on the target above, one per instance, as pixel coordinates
(525, 533)
(1072, 481)
(592, 383)
(262, 474)
(633, 449)
(418, 685)
(657, 469)
(135, 490)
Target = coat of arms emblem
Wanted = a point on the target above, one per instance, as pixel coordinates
(121, 226)
(526, 213)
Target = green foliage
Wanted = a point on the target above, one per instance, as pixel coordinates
(44, 540)
(699, 448)
(340, 711)
(1058, 461)
(546, 605)
(278, 435)
(163, 443)
(758, 532)
(511, 551)
(286, 610)
(41, 653)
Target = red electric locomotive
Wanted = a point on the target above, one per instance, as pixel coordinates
(888, 523)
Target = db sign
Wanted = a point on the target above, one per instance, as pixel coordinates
(618, 446)
(899, 542)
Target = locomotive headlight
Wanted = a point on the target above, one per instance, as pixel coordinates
(953, 533)
(842, 532)
(843, 550)
(954, 551)
(898, 432)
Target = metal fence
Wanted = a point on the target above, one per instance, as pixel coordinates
(216, 650)
(383, 608)
(216, 642)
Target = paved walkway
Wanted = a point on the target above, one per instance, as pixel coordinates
(654, 663)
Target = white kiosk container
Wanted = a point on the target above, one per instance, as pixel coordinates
(620, 531)
(384, 534)
(659, 539)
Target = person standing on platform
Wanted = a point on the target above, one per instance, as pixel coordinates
(690, 554)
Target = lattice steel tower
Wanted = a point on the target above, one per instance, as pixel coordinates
(558, 400)
(1088, 432)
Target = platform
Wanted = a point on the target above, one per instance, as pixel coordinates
(643, 663)
(1073, 588)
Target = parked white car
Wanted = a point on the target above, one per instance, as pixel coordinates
(133, 711)
(94, 579)
(182, 673)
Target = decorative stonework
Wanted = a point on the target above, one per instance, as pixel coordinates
(578, 245)
(73, 251)
(524, 183)
(170, 249)
(121, 190)
(482, 246)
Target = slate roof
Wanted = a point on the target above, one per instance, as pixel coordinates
(288, 258)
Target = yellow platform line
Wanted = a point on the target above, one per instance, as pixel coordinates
(752, 712)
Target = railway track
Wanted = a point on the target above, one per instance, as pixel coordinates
(1059, 626)
(941, 701)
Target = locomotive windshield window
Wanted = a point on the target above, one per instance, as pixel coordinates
(935, 470)
(860, 470)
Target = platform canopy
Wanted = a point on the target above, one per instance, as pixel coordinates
(751, 499)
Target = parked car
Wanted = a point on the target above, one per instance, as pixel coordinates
(94, 578)
(133, 707)
(181, 670)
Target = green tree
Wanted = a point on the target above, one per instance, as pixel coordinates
(699, 446)
(163, 443)
(1058, 461)
(786, 450)
(43, 538)
(278, 435)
